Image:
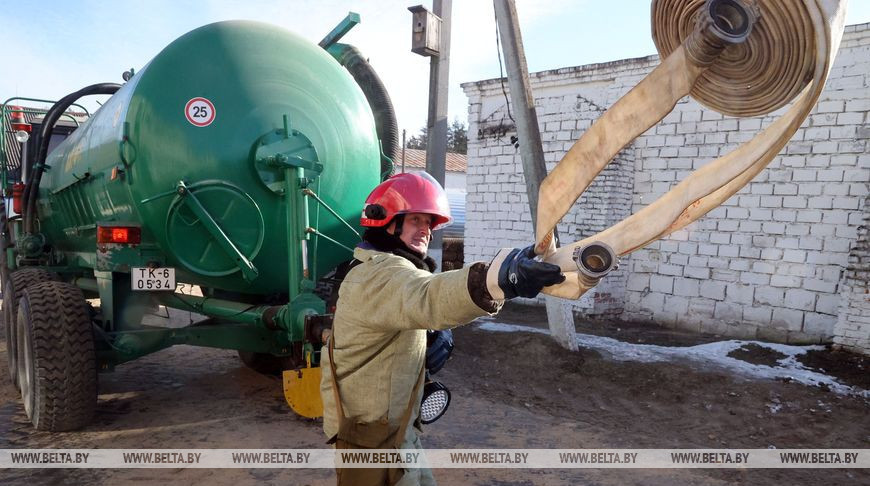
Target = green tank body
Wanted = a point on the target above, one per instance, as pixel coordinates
(207, 116)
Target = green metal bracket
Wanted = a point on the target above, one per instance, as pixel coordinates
(290, 318)
(121, 347)
(338, 32)
(285, 149)
(123, 145)
(291, 149)
(105, 288)
(312, 194)
(118, 305)
(235, 325)
(287, 163)
(283, 160)
(297, 222)
(249, 271)
(327, 238)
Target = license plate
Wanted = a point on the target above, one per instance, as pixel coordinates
(162, 278)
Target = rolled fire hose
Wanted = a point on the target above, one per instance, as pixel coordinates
(738, 57)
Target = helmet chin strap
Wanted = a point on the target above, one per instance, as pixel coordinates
(400, 221)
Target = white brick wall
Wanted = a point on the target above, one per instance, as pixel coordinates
(497, 209)
(768, 263)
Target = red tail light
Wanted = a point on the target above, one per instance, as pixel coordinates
(130, 235)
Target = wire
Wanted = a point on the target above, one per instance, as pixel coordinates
(199, 309)
(175, 294)
(246, 309)
(501, 70)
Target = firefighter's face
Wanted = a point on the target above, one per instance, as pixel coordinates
(416, 231)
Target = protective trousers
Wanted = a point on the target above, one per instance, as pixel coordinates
(353, 434)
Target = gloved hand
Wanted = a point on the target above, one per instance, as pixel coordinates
(516, 273)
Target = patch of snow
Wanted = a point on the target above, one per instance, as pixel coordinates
(712, 354)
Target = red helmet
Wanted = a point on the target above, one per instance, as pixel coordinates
(412, 192)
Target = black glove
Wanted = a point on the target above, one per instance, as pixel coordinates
(520, 275)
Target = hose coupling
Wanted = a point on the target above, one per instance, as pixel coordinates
(720, 23)
(594, 261)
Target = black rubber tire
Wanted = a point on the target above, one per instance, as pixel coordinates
(267, 364)
(57, 365)
(13, 289)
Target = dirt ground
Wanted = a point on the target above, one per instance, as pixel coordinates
(510, 390)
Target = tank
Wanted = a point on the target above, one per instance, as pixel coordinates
(240, 157)
(199, 118)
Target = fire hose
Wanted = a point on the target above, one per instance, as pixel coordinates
(738, 57)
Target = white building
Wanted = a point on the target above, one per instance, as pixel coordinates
(786, 259)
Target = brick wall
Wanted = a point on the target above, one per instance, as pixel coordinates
(852, 331)
(768, 263)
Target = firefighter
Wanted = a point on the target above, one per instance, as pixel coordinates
(386, 302)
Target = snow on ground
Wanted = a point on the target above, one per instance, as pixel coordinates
(711, 354)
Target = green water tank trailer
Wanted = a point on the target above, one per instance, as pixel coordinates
(239, 159)
(207, 112)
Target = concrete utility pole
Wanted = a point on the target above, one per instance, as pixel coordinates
(436, 125)
(559, 314)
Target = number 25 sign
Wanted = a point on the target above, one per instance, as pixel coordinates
(199, 112)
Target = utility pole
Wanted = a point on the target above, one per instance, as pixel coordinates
(559, 314)
(436, 125)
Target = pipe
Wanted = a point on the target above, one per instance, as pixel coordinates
(376, 93)
(273, 317)
(223, 309)
(51, 117)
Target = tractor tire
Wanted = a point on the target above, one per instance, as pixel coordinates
(14, 284)
(57, 369)
(267, 364)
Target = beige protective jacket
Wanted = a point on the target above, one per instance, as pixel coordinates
(386, 300)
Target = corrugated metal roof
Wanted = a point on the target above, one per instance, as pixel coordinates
(416, 159)
(12, 148)
(457, 210)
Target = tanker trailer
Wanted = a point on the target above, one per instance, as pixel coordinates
(237, 160)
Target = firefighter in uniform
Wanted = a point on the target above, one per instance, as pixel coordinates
(386, 302)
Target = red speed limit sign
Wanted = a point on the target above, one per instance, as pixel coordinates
(199, 112)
